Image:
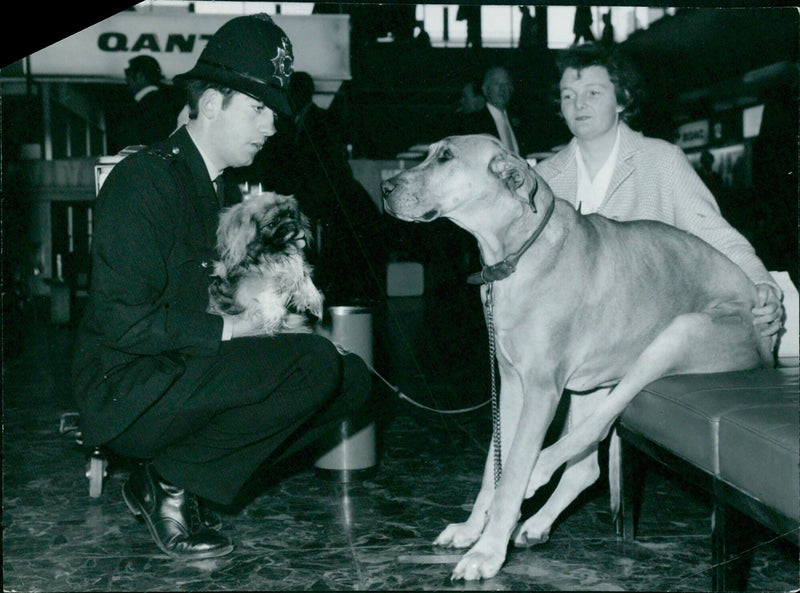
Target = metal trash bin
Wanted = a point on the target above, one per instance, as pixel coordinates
(353, 456)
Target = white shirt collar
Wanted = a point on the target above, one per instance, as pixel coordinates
(504, 127)
(495, 111)
(145, 91)
(591, 192)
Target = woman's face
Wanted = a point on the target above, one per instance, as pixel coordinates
(589, 102)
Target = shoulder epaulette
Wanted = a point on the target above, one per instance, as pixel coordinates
(160, 152)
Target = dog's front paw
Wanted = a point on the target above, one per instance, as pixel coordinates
(315, 307)
(478, 564)
(458, 535)
(309, 298)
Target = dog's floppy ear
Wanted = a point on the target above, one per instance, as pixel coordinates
(237, 229)
(515, 174)
(541, 190)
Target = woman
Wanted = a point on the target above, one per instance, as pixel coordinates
(610, 169)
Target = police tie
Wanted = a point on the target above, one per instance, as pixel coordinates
(219, 188)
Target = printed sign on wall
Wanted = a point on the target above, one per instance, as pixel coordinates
(693, 134)
(321, 45)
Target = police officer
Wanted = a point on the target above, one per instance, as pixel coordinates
(201, 399)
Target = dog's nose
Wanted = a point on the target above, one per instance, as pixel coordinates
(387, 187)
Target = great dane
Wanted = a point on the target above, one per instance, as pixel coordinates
(577, 303)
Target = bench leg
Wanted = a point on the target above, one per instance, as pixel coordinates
(632, 476)
(730, 560)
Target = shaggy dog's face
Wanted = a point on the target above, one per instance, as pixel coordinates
(262, 271)
(262, 225)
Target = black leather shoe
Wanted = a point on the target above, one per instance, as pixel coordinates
(173, 517)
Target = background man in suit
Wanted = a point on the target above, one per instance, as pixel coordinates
(156, 107)
(494, 119)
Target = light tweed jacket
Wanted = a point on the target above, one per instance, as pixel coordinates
(654, 180)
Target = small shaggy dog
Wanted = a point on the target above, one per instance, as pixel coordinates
(262, 272)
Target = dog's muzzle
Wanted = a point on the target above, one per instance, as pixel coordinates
(390, 205)
(281, 235)
(387, 187)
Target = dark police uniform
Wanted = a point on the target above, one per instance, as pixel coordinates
(150, 374)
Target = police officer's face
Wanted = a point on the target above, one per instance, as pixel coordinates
(241, 129)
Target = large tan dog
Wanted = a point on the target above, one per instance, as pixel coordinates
(590, 302)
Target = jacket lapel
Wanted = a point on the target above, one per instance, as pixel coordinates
(564, 181)
(629, 145)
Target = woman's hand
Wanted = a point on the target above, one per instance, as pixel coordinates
(768, 316)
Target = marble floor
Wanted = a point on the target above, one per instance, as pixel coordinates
(302, 533)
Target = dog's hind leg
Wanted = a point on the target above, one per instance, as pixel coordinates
(579, 474)
(694, 342)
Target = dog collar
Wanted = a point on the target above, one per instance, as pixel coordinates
(505, 268)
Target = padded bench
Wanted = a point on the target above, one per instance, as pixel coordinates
(736, 434)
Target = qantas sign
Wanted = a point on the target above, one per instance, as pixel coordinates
(321, 45)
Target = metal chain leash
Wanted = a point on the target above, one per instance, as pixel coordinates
(496, 437)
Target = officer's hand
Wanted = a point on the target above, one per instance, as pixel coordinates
(243, 326)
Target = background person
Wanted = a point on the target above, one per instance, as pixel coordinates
(497, 88)
(156, 107)
(471, 99)
(582, 26)
(607, 37)
(471, 13)
(528, 33)
(710, 177)
(203, 400)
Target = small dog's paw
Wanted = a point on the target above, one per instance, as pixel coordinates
(296, 323)
(316, 303)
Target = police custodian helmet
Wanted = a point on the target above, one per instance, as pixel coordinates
(249, 54)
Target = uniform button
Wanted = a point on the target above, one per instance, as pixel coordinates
(176, 150)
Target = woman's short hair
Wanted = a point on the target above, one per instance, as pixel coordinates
(621, 71)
